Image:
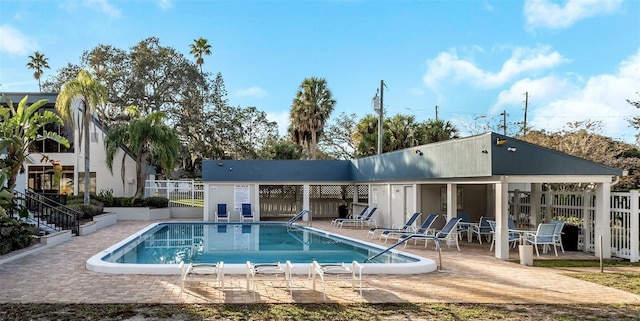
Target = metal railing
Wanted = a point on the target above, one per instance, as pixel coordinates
(181, 193)
(45, 212)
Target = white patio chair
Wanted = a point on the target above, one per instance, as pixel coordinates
(544, 236)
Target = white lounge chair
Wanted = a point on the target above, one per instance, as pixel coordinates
(322, 271)
(268, 273)
(203, 272)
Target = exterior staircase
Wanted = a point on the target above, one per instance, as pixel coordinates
(46, 214)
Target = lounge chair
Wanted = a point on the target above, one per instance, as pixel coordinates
(321, 271)
(221, 213)
(425, 228)
(544, 236)
(268, 273)
(246, 213)
(201, 273)
(482, 228)
(335, 222)
(514, 237)
(462, 228)
(557, 233)
(405, 228)
(445, 234)
(367, 219)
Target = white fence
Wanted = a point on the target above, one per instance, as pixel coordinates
(180, 193)
(578, 209)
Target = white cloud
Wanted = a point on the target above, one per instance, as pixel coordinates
(602, 98)
(548, 14)
(539, 90)
(282, 118)
(105, 7)
(15, 42)
(253, 91)
(522, 60)
(165, 4)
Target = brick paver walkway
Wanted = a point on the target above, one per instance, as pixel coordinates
(473, 275)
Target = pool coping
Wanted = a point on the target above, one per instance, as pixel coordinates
(97, 264)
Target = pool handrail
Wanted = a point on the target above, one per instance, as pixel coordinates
(369, 259)
(297, 217)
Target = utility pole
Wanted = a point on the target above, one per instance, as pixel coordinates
(504, 121)
(526, 105)
(436, 112)
(380, 115)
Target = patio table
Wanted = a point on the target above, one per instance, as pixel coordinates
(470, 226)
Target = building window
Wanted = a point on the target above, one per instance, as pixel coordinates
(41, 179)
(92, 187)
(48, 145)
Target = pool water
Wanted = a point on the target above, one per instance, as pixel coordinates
(170, 243)
(160, 247)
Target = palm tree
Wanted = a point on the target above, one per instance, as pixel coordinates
(399, 133)
(437, 131)
(199, 48)
(150, 140)
(90, 93)
(19, 128)
(309, 113)
(37, 63)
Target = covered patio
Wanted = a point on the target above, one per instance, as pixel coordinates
(478, 175)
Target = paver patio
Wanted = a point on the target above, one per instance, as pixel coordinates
(58, 275)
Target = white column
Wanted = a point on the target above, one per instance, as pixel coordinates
(207, 207)
(256, 200)
(502, 215)
(602, 217)
(452, 201)
(305, 200)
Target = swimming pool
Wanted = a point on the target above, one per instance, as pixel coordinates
(159, 248)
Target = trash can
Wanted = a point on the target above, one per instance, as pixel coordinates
(342, 211)
(570, 235)
(526, 254)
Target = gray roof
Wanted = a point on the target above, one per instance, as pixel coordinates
(472, 157)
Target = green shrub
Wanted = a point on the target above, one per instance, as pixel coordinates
(88, 211)
(14, 235)
(157, 202)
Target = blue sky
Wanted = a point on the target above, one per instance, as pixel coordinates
(577, 59)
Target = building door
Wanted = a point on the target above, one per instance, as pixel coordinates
(409, 203)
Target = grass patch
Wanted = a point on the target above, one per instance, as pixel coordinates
(625, 281)
(317, 312)
(581, 263)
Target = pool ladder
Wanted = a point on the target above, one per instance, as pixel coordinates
(438, 247)
(298, 216)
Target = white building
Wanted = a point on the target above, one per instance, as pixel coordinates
(39, 172)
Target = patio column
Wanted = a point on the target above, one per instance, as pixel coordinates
(603, 220)
(502, 215)
(452, 201)
(305, 200)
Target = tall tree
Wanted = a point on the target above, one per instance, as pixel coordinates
(338, 142)
(582, 139)
(38, 63)
(150, 140)
(401, 131)
(365, 137)
(310, 111)
(199, 48)
(436, 131)
(22, 126)
(90, 93)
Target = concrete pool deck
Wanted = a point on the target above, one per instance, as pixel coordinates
(473, 275)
